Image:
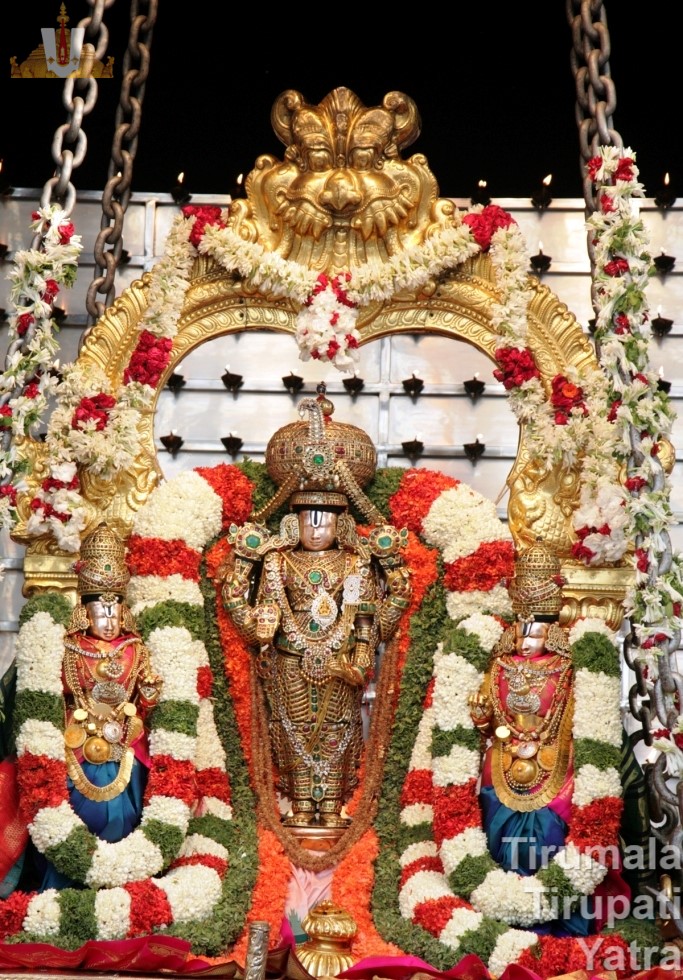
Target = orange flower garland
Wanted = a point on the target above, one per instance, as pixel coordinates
(270, 892)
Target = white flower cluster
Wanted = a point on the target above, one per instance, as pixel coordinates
(323, 321)
(459, 520)
(187, 509)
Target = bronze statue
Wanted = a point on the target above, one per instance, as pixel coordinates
(315, 602)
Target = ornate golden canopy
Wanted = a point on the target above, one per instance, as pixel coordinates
(343, 197)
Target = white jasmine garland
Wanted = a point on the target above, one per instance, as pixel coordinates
(462, 604)
(591, 783)
(199, 844)
(455, 680)
(591, 624)
(38, 651)
(459, 766)
(187, 509)
(147, 590)
(460, 520)
(420, 849)
(175, 744)
(593, 690)
(167, 809)
(512, 898)
(421, 757)
(193, 891)
(509, 947)
(423, 886)
(175, 656)
(471, 842)
(133, 858)
(582, 870)
(52, 825)
(210, 753)
(43, 914)
(461, 921)
(486, 629)
(217, 808)
(414, 814)
(41, 738)
(112, 912)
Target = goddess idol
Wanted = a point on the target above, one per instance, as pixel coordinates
(315, 602)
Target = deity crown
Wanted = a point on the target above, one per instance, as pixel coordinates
(536, 588)
(102, 567)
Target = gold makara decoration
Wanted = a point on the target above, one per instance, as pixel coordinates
(327, 951)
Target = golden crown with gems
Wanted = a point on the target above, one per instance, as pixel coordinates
(536, 588)
(102, 568)
(318, 462)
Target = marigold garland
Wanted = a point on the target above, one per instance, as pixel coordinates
(270, 892)
(416, 493)
(351, 889)
(146, 555)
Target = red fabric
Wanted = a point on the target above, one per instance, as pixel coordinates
(148, 954)
(13, 832)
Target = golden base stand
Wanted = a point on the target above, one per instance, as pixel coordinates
(327, 951)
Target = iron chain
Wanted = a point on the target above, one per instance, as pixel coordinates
(116, 195)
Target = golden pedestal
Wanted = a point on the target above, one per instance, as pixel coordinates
(327, 951)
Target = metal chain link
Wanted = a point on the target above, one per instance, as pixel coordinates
(70, 143)
(662, 698)
(69, 147)
(116, 195)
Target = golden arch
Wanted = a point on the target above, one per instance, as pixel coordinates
(333, 213)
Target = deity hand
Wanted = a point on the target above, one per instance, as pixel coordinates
(342, 667)
(149, 688)
(481, 710)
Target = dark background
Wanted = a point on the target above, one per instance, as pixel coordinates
(493, 86)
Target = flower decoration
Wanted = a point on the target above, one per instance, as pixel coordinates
(326, 327)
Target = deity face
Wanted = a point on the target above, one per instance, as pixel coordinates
(317, 529)
(531, 638)
(104, 619)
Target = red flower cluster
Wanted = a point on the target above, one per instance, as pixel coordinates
(149, 908)
(31, 390)
(435, 914)
(582, 552)
(433, 863)
(214, 782)
(642, 560)
(234, 488)
(50, 291)
(665, 733)
(97, 408)
(417, 788)
(148, 360)
(24, 322)
(416, 493)
(621, 324)
(148, 556)
(335, 284)
(205, 215)
(483, 224)
(172, 777)
(516, 365)
(65, 231)
(653, 641)
(624, 169)
(5, 416)
(13, 912)
(9, 491)
(489, 565)
(564, 397)
(613, 409)
(456, 807)
(595, 827)
(205, 681)
(42, 782)
(616, 268)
